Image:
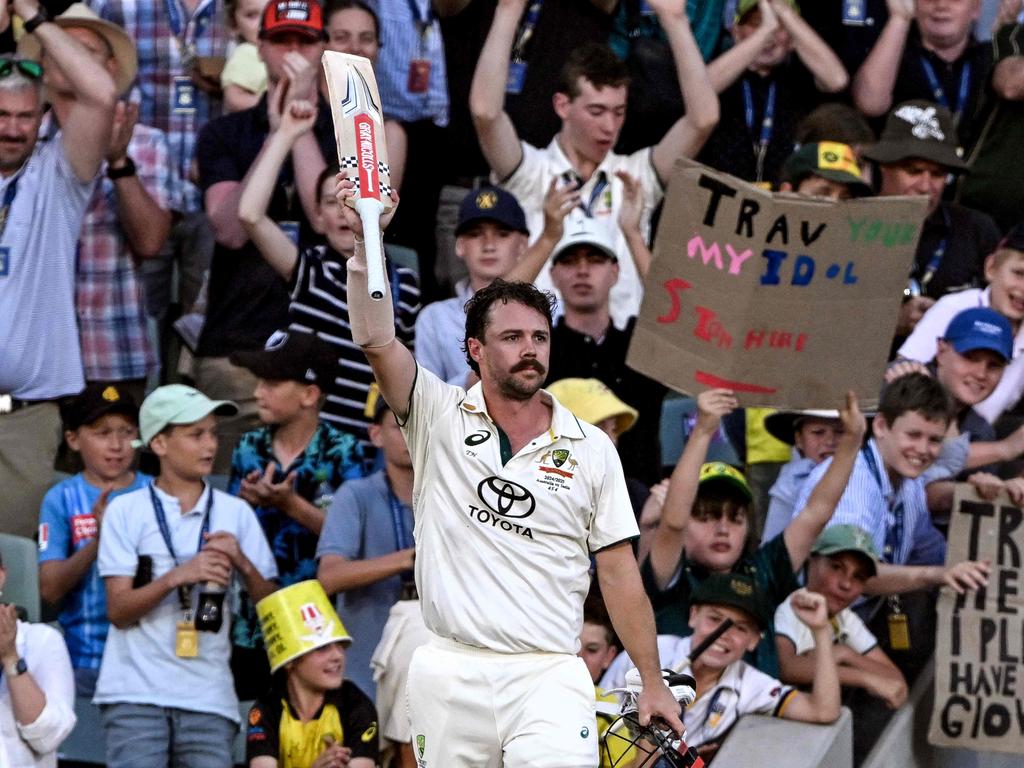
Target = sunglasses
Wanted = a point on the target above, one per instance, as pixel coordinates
(30, 69)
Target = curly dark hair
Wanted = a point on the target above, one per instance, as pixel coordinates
(478, 307)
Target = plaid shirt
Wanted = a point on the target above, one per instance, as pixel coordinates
(151, 25)
(112, 320)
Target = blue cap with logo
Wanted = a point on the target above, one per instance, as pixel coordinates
(491, 204)
(980, 328)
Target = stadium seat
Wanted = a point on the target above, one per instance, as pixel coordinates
(21, 559)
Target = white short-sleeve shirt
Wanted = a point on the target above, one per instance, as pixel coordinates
(847, 629)
(139, 663)
(921, 345)
(602, 194)
(503, 550)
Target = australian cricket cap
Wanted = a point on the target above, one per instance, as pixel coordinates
(918, 129)
(829, 160)
(847, 538)
(96, 401)
(304, 17)
(720, 472)
(735, 590)
(176, 404)
(491, 204)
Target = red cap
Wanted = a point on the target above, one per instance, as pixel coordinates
(302, 16)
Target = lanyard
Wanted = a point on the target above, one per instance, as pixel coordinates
(8, 200)
(940, 94)
(402, 538)
(600, 184)
(165, 532)
(526, 27)
(422, 21)
(894, 533)
(940, 251)
(767, 122)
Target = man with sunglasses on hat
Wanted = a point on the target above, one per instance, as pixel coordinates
(44, 191)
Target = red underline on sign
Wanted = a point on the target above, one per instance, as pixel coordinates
(709, 379)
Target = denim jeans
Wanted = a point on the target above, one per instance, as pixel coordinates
(147, 736)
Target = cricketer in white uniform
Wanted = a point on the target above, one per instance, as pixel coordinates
(512, 496)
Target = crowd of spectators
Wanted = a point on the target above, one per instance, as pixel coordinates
(187, 422)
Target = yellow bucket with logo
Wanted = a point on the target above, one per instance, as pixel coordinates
(296, 620)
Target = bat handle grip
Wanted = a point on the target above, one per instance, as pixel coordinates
(369, 211)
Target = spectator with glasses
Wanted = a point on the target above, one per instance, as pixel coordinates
(44, 191)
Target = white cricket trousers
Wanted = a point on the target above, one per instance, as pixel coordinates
(473, 708)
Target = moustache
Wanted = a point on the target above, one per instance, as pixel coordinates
(527, 365)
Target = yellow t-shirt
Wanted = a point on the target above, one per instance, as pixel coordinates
(245, 69)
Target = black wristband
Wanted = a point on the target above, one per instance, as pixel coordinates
(122, 173)
(31, 25)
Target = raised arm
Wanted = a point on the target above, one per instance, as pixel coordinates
(498, 138)
(558, 202)
(630, 216)
(808, 525)
(821, 705)
(727, 68)
(88, 124)
(875, 80)
(300, 83)
(373, 322)
(273, 244)
(667, 549)
(829, 73)
(687, 136)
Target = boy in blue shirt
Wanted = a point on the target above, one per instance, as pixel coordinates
(99, 425)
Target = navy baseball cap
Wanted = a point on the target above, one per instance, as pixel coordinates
(491, 204)
(980, 328)
(1014, 239)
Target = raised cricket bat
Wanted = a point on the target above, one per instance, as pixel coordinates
(359, 130)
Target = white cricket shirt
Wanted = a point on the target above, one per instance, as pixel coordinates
(503, 550)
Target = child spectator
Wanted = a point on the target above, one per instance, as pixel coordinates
(311, 716)
(316, 276)
(366, 548)
(729, 687)
(814, 436)
(1004, 272)
(842, 560)
(824, 169)
(705, 526)
(165, 686)
(765, 91)
(287, 470)
(99, 425)
(244, 78)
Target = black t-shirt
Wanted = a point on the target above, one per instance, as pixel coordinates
(356, 714)
(912, 81)
(963, 237)
(248, 301)
(575, 354)
(852, 38)
(562, 26)
(731, 147)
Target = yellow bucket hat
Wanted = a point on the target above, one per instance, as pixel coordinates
(296, 620)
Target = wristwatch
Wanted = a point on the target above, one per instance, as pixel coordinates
(20, 668)
(32, 24)
(126, 170)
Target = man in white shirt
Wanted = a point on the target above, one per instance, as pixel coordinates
(591, 102)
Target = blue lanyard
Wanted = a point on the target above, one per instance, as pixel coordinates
(599, 187)
(8, 200)
(165, 531)
(940, 252)
(894, 533)
(422, 22)
(767, 122)
(526, 27)
(940, 94)
(402, 537)
(174, 17)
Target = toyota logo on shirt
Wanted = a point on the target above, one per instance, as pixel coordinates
(505, 498)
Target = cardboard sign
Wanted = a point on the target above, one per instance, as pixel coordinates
(789, 301)
(979, 649)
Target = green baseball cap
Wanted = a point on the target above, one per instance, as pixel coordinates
(736, 590)
(176, 404)
(847, 538)
(829, 160)
(720, 472)
(743, 7)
